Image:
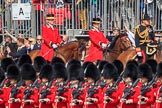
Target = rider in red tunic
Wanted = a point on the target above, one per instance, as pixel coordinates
(51, 38)
(98, 42)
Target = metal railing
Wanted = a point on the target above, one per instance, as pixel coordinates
(78, 15)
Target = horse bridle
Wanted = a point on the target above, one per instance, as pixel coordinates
(126, 48)
(117, 51)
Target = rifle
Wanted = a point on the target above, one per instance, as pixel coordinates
(127, 91)
(45, 91)
(28, 92)
(109, 91)
(61, 89)
(77, 92)
(93, 90)
(145, 89)
(15, 90)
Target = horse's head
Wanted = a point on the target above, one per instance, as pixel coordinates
(125, 43)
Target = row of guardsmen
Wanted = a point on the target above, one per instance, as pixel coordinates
(76, 85)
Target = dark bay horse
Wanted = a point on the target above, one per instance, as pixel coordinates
(66, 52)
(119, 44)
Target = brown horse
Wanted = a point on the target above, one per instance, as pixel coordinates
(119, 44)
(130, 54)
(66, 52)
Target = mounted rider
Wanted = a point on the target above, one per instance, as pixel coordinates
(144, 36)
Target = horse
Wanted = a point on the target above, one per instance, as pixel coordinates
(131, 54)
(66, 52)
(119, 44)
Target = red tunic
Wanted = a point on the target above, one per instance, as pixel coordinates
(80, 97)
(95, 50)
(150, 95)
(50, 96)
(64, 102)
(49, 36)
(98, 96)
(17, 96)
(33, 96)
(158, 93)
(115, 96)
(2, 98)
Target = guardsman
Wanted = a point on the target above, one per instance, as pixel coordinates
(13, 92)
(29, 90)
(128, 94)
(76, 78)
(158, 91)
(60, 86)
(144, 35)
(110, 91)
(98, 42)
(93, 93)
(145, 92)
(46, 94)
(51, 37)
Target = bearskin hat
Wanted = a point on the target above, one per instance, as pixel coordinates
(119, 66)
(73, 61)
(46, 72)
(153, 64)
(85, 64)
(2, 74)
(24, 59)
(75, 72)
(131, 71)
(60, 71)
(13, 72)
(145, 71)
(27, 72)
(159, 69)
(132, 61)
(57, 60)
(110, 71)
(6, 62)
(91, 71)
(101, 65)
(39, 62)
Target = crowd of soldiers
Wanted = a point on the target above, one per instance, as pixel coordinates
(75, 85)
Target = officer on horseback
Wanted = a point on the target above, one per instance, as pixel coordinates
(144, 35)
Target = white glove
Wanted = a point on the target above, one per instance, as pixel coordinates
(139, 53)
(104, 45)
(54, 46)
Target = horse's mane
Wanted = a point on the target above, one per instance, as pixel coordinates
(114, 42)
(115, 39)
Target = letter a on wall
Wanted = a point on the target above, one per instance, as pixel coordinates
(21, 11)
